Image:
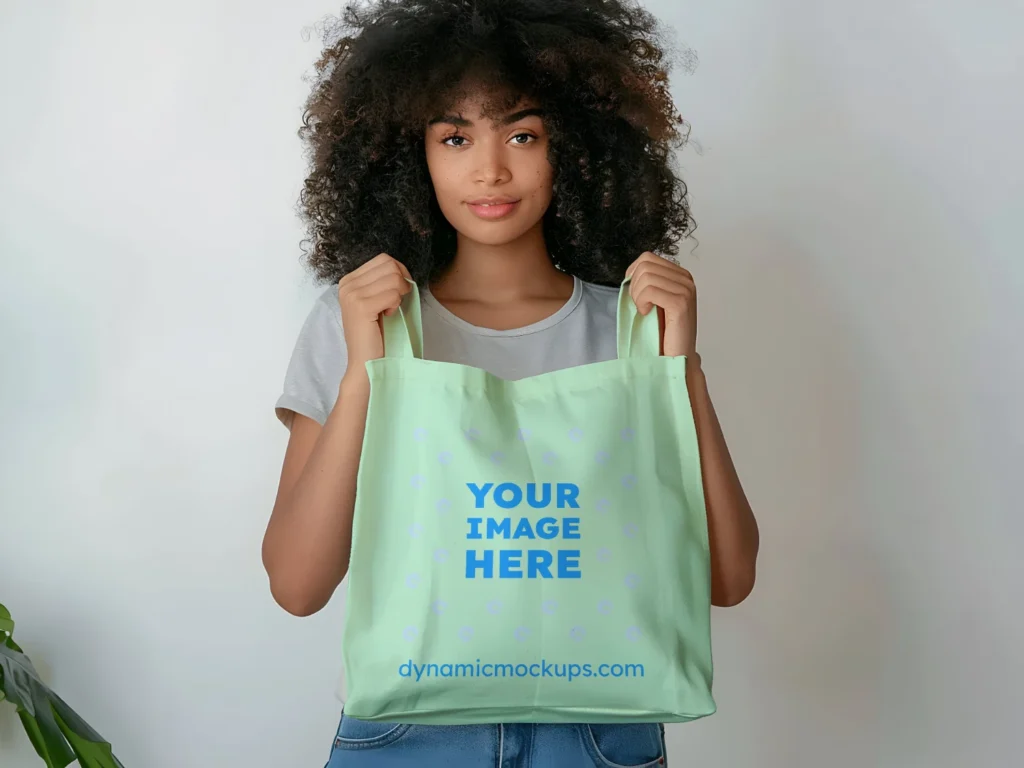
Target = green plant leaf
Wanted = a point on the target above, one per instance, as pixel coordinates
(91, 754)
(35, 735)
(6, 622)
(57, 732)
(6, 638)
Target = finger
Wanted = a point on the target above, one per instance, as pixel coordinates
(667, 284)
(402, 268)
(651, 261)
(643, 257)
(665, 261)
(385, 273)
(384, 300)
(404, 287)
(653, 274)
(372, 270)
(364, 267)
(380, 262)
(674, 304)
(663, 267)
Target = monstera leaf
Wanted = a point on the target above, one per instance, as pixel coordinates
(58, 734)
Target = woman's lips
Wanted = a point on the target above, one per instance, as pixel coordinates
(496, 211)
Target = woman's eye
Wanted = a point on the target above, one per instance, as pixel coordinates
(463, 138)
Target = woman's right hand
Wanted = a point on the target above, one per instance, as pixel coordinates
(365, 294)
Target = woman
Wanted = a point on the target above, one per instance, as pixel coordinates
(512, 158)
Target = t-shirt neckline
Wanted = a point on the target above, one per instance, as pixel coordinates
(450, 317)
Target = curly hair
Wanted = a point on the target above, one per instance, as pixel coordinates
(597, 69)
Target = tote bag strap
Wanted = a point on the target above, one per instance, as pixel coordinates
(638, 335)
(403, 331)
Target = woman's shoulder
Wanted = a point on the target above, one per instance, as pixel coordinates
(323, 318)
(318, 361)
(327, 301)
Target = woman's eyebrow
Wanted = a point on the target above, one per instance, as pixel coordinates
(507, 120)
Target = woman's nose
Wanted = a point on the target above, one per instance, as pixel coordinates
(493, 168)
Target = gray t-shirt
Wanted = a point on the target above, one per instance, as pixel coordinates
(581, 332)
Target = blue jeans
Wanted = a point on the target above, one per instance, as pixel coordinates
(366, 744)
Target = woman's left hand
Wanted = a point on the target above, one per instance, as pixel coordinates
(658, 282)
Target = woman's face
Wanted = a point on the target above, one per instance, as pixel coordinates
(471, 159)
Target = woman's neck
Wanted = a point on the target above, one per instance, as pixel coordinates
(505, 286)
(501, 274)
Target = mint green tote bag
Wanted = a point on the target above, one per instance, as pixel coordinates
(532, 550)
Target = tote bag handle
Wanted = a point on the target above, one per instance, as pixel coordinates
(403, 331)
(638, 335)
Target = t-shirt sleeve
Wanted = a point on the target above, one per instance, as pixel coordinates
(317, 363)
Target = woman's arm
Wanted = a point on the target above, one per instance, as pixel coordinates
(306, 545)
(309, 536)
(732, 529)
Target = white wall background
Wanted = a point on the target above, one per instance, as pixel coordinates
(859, 199)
